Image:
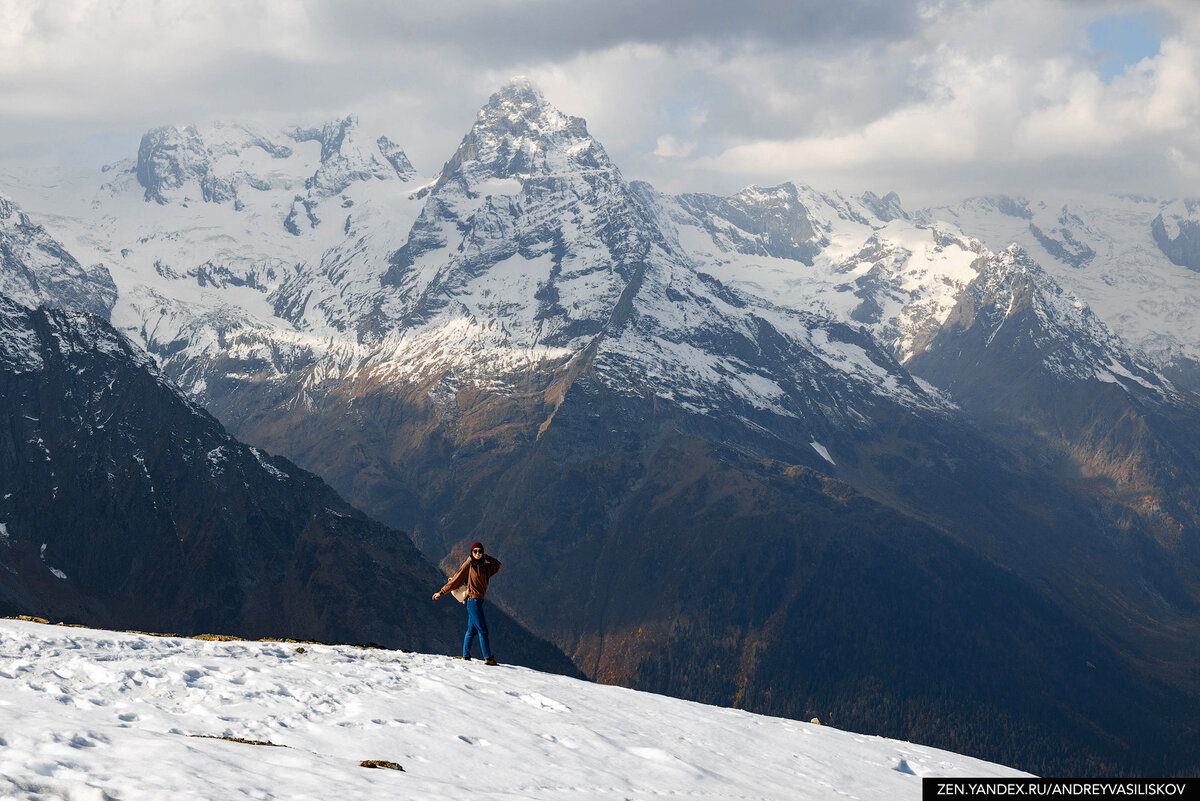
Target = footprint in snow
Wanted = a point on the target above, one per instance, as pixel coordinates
(564, 742)
(477, 741)
(539, 701)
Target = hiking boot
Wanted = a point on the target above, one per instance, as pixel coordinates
(463, 658)
(490, 661)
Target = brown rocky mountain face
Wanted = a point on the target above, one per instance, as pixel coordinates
(1068, 398)
(126, 506)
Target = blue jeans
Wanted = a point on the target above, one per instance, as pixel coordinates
(476, 622)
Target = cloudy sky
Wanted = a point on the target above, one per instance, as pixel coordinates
(935, 99)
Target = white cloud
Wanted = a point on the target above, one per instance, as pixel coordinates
(923, 97)
(1015, 104)
(672, 147)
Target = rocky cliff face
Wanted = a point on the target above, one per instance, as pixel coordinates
(1177, 234)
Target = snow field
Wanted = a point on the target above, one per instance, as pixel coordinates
(103, 715)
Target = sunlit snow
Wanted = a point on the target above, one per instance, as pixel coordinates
(93, 714)
(821, 449)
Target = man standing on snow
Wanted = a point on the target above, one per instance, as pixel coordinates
(474, 575)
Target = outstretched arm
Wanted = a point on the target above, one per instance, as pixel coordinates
(457, 580)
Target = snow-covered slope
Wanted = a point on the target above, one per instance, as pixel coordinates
(208, 231)
(36, 269)
(95, 714)
(1131, 259)
(1076, 344)
(860, 260)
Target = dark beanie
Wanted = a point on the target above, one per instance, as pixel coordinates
(478, 545)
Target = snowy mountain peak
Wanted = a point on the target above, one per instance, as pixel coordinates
(520, 100)
(886, 208)
(346, 158)
(519, 134)
(168, 157)
(520, 108)
(218, 162)
(1014, 290)
(1013, 274)
(395, 156)
(1135, 259)
(531, 192)
(519, 90)
(332, 135)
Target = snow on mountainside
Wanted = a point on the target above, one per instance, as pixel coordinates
(272, 252)
(531, 247)
(217, 164)
(1076, 343)
(209, 231)
(865, 261)
(859, 260)
(36, 269)
(243, 256)
(105, 714)
(1131, 259)
(528, 250)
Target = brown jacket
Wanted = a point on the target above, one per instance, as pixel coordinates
(476, 577)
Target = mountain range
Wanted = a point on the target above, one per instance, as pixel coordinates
(931, 474)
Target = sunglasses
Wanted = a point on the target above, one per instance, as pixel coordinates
(476, 550)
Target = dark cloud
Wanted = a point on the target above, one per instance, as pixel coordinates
(556, 29)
